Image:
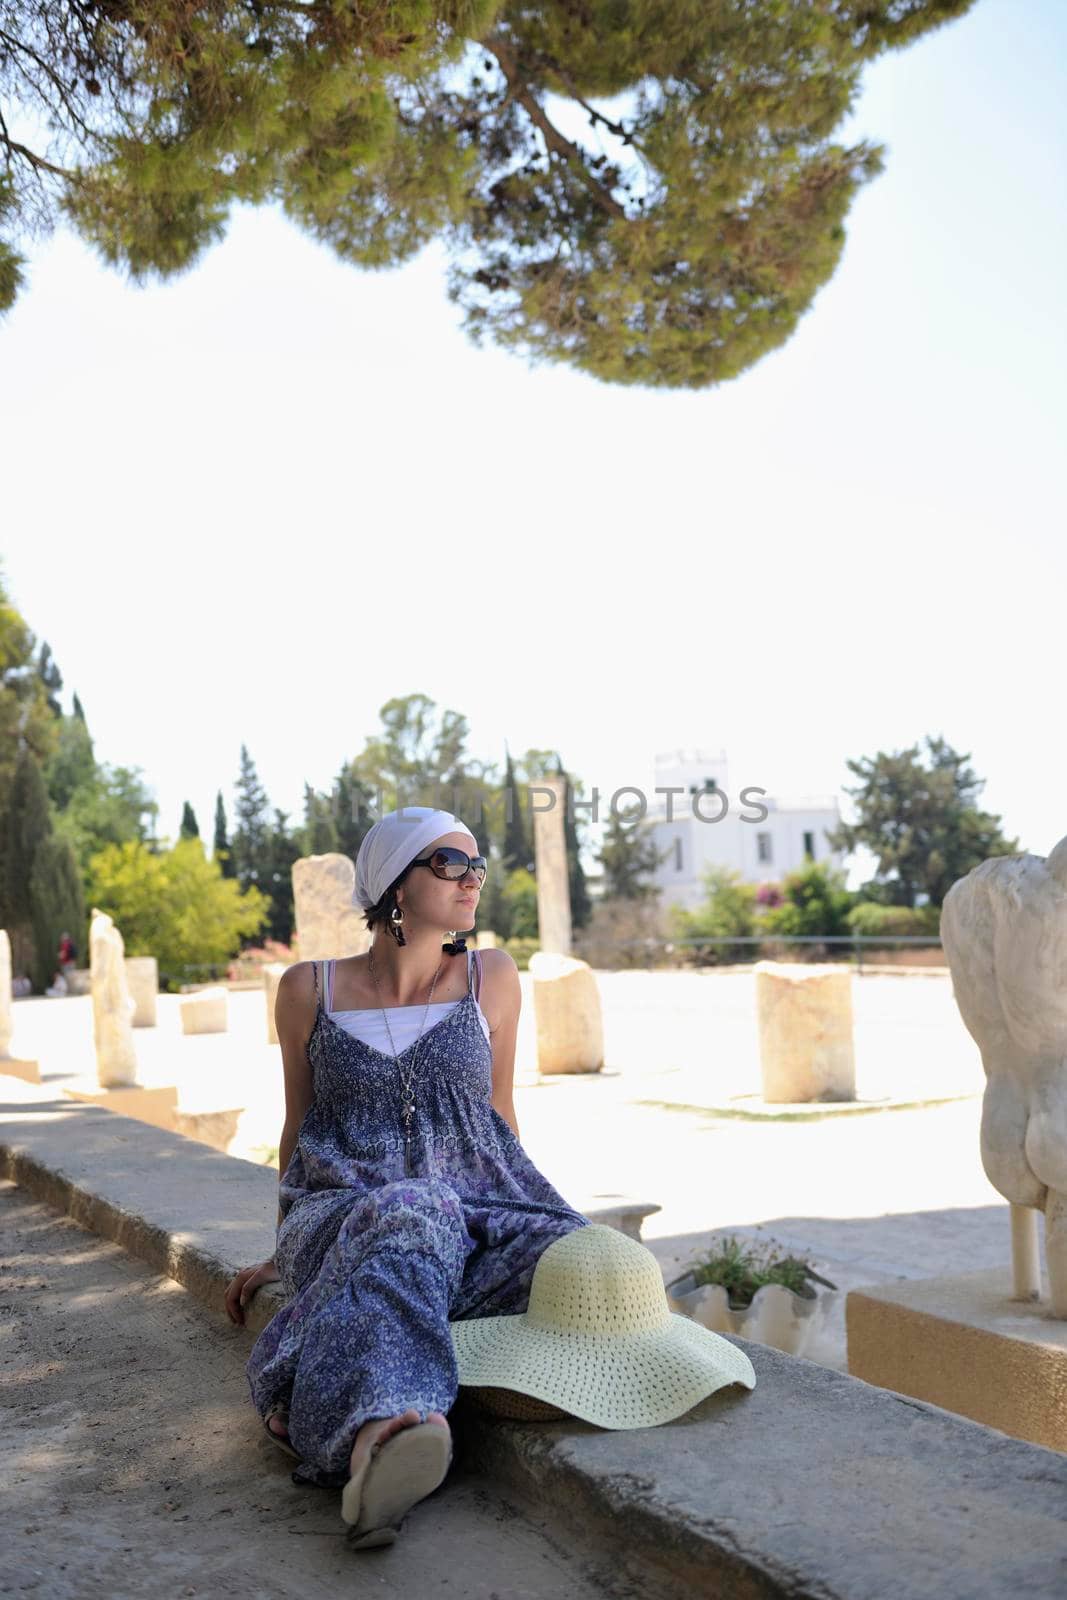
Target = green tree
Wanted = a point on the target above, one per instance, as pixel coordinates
(581, 905)
(728, 911)
(58, 906)
(629, 856)
(282, 850)
(815, 903)
(318, 836)
(517, 848)
(188, 828)
(27, 826)
(250, 844)
(51, 679)
(26, 719)
(921, 822)
(351, 804)
(72, 765)
(674, 242)
(220, 848)
(175, 905)
(112, 807)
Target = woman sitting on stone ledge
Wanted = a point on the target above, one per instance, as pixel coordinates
(406, 1198)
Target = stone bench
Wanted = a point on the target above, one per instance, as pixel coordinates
(813, 1485)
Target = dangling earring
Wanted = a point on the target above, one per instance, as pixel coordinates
(396, 917)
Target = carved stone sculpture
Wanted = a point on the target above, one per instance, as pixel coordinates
(116, 1060)
(1004, 930)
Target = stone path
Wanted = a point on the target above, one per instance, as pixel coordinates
(134, 1466)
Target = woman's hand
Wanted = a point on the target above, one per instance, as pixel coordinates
(244, 1285)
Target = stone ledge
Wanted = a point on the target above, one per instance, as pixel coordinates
(816, 1484)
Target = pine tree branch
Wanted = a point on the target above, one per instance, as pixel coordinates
(570, 153)
(12, 147)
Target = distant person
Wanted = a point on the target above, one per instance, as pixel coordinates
(67, 953)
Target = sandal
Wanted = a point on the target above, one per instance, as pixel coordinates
(281, 1439)
(408, 1466)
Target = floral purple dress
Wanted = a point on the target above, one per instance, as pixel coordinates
(377, 1260)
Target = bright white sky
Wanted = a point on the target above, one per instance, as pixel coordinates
(255, 503)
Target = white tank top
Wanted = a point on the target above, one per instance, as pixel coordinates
(368, 1024)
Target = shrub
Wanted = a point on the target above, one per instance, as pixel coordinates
(520, 899)
(520, 950)
(252, 960)
(873, 921)
(815, 904)
(728, 910)
(622, 933)
(744, 1269)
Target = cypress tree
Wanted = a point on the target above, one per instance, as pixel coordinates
(581, 905)
(518, 848)
(319, 832)
(188, 828)
(58, 906)
(27, 825)
(282, 851)
(51, 678)
(251, 833)
(221, 845)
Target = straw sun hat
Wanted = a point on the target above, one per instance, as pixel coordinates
(598, 1341)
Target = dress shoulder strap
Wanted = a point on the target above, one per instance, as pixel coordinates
(474, 972)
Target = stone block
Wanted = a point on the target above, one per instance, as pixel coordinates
(272, 975)
(626, 1215)
(155, 1106)
(328, 923)
(570, 1029)
(963, 1343)
(142, 979)
(206, 1011)
(804, 1016)
(16, 1067)
(216, 1128)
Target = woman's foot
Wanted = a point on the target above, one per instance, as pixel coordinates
(276, 1425)
(376, 1430)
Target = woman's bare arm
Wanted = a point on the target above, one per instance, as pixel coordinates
(294, 1019)
(500, 976)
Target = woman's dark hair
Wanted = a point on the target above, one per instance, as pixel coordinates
(382, 912)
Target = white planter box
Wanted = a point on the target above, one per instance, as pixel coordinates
(777, 1317)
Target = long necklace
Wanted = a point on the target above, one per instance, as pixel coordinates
(407, 1083)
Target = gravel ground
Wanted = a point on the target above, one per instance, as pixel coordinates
(134, 1464)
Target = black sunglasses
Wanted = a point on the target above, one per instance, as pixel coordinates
(448, 862)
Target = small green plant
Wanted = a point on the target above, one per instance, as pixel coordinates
(743, 1269)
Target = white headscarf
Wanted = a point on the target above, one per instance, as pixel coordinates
(394, 841)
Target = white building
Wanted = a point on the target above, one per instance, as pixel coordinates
(704, 823)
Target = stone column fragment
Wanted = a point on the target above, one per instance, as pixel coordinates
(805, 1032)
